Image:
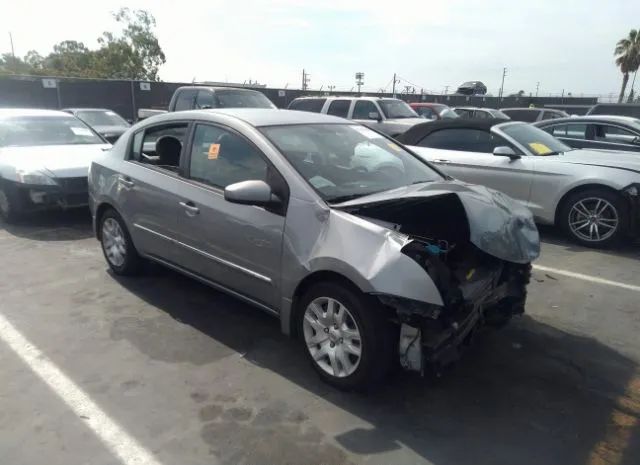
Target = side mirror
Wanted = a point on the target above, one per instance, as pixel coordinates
(375, 115)
(636, 140)
(504, 151)
(253, 192)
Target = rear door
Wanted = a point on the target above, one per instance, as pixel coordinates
(236, 246)
(466, 154)
(572, 134)
(149, 194)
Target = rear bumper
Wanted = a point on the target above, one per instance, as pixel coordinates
(68, 193)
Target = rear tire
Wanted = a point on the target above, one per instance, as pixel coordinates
(117, 246)
(345, 336)
(594, 217)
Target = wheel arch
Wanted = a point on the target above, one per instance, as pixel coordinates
(100, 211)
(305, 284)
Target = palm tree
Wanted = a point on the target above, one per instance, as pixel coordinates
(627, 55)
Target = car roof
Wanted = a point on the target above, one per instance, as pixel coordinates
(257, 116)
(13, 112)
(341, 97)
(216, 88)
(420, 131)
(472, 108)
(426, 104)
(594, 118)
(529, 109)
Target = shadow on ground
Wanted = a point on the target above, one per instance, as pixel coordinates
(66, 225)
(629, 248)
(528, 394)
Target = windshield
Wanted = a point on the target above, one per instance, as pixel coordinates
(242, 99)
(396, 109)
(101, 118)
(343, 162)
(26, 131)
(536, 140)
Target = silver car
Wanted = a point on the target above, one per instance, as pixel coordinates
(592, 194)
(356, 245)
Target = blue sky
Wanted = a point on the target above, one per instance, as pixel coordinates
(563, 44)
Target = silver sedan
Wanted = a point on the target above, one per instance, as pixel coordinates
(592, 194)
(355, 244)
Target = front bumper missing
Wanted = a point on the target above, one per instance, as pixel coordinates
(69, 193)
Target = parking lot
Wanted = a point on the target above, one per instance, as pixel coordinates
(160, 369)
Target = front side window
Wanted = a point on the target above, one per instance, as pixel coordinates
(466, 140)
(313, 105)
(464, 113)
(205, 100)
(26, 131)
(364, 110)
(394, 109)
(339, 108)
(537, 141)
(425, 112)
(220, 157)
(345, 161)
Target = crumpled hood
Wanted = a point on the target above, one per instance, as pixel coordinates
(56, 160)
(498, 225)
(608, 158)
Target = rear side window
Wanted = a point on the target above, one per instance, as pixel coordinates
(467, 140)
(185, 100)
(313, 105)
(572, 131)
(362, 109)
(528, 116)
(613, 134)
(339, 108)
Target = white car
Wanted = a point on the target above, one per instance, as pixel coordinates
(44, 160)
(593, 195)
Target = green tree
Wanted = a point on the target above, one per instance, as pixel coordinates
(627, 53)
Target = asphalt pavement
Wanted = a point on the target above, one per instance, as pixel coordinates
(160, 369)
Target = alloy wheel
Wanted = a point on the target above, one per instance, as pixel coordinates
(114, 242)
(332, 337)
(593, 219)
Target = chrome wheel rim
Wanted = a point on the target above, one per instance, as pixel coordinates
(593, 219)
(4, 203)
(332, 337)
(113, 242)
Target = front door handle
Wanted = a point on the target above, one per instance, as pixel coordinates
(126, 182)
(190, 208)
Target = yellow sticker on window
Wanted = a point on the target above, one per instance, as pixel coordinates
(540, 149)
(214, 150)
(394, 147)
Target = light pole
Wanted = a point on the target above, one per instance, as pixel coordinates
(359, 80)
(504, 73)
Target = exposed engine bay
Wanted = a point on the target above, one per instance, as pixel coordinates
(476, 287)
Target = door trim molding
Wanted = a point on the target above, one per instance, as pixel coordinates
(222, 261)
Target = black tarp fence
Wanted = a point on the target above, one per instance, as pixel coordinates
(126, 97)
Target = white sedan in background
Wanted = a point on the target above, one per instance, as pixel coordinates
(44, 160)
(593, 195)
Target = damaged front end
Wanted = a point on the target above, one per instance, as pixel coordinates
(476, 245)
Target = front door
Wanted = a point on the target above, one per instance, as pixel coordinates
(236, 246)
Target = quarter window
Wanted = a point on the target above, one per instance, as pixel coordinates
(614, 135)
(339, 108)
(363, 108)
(220, 157)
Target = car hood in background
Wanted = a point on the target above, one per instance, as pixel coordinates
(110, 130)
(58, 160)
(498, 225)
(607, 158)
(406, 121)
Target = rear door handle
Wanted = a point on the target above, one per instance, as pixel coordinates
(190, 208)
(126, 182)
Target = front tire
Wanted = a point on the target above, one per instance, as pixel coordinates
(345, 336)
(594, 218)
(9, 205)
(117, 246)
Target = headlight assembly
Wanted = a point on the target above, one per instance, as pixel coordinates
(35, 178)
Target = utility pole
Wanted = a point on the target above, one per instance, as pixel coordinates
(446, 90)
(13, 54)
(504, 73)
(537, 88)
(331, 88)
(562, 98)
(306, 77)
(393, 91)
